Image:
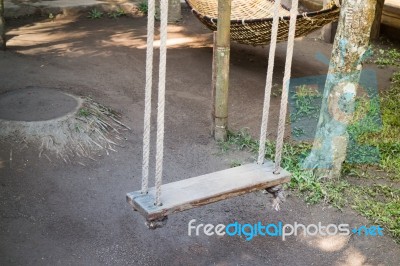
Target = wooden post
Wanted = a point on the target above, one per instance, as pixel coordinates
(222, 70)
(376, 27)
(174, 11)
(328, 31)
(213, 81)
(2, 27)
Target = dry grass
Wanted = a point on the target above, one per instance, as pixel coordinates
(92, 128)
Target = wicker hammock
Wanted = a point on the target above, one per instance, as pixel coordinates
(251, 20)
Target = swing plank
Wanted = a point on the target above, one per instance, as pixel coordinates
(201, 190)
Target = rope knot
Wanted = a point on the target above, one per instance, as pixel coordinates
(279, 196)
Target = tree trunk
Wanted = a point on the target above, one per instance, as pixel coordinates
(174, 10)
(2, 27)
(351, 44)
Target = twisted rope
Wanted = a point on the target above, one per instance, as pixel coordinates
(161, 99)
(268, 85)
(279, 196)
(147, 103)
(285, 89)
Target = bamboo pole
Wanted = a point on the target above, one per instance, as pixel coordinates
(222, 70)
(213, 81)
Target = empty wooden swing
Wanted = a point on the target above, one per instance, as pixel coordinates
(157, 202)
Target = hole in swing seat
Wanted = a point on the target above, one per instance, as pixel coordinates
(205, 189)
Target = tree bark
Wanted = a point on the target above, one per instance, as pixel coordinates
(2, 27)
(350, 47)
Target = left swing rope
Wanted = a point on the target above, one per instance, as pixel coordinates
(161, 98)
(148, 90)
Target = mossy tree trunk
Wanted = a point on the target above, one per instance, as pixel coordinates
(2, 27)
(349, 49)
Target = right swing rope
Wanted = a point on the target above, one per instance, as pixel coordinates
(268, 84)
(285, 88)
(161, 99)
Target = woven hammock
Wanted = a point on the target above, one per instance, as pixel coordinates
(251, 20)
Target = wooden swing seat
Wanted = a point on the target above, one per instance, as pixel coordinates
(201, 190)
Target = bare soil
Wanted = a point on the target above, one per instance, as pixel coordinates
(35, 104)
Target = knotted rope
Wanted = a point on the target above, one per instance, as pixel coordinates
(285, 89)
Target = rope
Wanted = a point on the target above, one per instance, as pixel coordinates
(147, 103)
(279, 196)
(268, 85)
(161, 99)
(285, 89)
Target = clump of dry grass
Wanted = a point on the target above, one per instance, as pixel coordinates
(91, 128)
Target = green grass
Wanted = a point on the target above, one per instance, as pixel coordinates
(119, 12)
(387, 139)
(304, 101)
(298, 132)
(293, 154)
(143, 7)
(390, 57)
(357, 188)
(235, 163)
(95, 14)
(379, 203)
(83, 112)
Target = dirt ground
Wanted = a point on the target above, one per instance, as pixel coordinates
(54, 213)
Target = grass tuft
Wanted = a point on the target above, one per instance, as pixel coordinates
(143, 7)
(95, 14)
(119, 12)
(93, 128)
